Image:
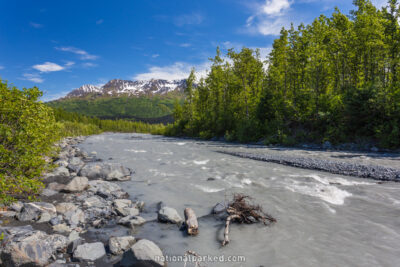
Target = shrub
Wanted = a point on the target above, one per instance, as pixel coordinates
(27, 132)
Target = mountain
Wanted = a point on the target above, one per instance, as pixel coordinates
(117, 87)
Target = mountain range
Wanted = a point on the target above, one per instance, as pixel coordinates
(117, 87)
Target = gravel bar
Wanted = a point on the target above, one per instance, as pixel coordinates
(343, 168)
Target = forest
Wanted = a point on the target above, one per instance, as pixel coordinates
(336, 79)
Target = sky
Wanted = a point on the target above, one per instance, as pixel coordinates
(61, 45)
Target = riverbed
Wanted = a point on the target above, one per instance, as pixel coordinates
(323, 219)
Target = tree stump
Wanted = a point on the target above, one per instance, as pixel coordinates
(191, 222)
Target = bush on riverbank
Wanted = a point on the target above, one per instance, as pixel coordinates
(27, 133)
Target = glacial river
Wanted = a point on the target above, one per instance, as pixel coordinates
(323, 219)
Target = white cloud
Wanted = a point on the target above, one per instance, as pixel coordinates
(35, 25)
(1, 67)
(189, 19)
(176, 71)
(33, 77)
(69, 64)
(155, 55)
(275, 7)
(379, 3)
(48, 67)
(84, 55)
(269, 17)
(89, 65)
(100, 21)
(185, 45)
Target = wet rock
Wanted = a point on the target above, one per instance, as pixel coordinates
(169, 215)
(219, 210)
(132, 221)
(75, 164)
(107, 171)
(64, 207)
(77, 184)
(119, 245)
(32, 248)
(124, 207)
(143, 253)
(107, 189)
(32, 211)
(90, 251)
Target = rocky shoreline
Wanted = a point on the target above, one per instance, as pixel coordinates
(80, 195)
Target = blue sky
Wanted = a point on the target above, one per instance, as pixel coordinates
(61, 45)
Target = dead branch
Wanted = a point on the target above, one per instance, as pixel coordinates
(226, 232)
(191, 252)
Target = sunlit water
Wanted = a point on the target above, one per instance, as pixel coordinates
(323, 219)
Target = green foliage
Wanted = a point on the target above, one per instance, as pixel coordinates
(27, 133)
(119, 107)
(336, 79)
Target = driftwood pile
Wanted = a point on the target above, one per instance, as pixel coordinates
(242, 211)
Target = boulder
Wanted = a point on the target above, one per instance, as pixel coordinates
(32, 211)
(75, 217)
(107, 171)
(132, 221)
(60, 172)
(77, 184)
(48, 192)
(32, 248)
(61, 163)
(44, 217)
(119, 245)
(107, 189)
(95, 201)
(75, 164)
(55, 186)
(169, 215)
(90, 251)
(144, 253)
(17, 206)
(61, 228)
(124, 207)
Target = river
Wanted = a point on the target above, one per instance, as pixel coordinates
(323, 219)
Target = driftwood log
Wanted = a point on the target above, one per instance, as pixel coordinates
(191, 222)
(241, 211)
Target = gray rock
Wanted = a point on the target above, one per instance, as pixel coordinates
(55, 221)
(147, 252)
(169, 215)
(74, 244)
(60, 172)
(77, 184)
(90, 251)
(95, 201)
(33, 248)
(17, 206)
(219, 208)
(32, 211)
(132, 221)
(73, 236)
(7, 213)
(61, 228)
(107, 171)
(75, 164)
(119, 245)
(124, 207)
(61, 163)
(65, 207)
(48, 192)
(55, 186)
(44, 217)
(75, 217)
(107, 189)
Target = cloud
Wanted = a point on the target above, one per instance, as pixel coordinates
(176, 71)
(155, 55)
(100, 21)
(84, 55)
(48, 67)
(1, 67)
(33, 77)
(69, 64)
(189, 19)
(185, 45)
(89, 65)
(35, 25)
(269, 17)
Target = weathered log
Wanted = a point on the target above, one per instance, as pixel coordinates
(227, 223)
(191, 222)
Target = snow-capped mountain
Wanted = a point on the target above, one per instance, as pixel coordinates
(119, 87)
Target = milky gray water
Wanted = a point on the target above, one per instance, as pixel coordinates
(323, 219)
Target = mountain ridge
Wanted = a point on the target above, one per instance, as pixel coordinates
(119, 87)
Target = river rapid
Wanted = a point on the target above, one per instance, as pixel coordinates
(323, 219)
